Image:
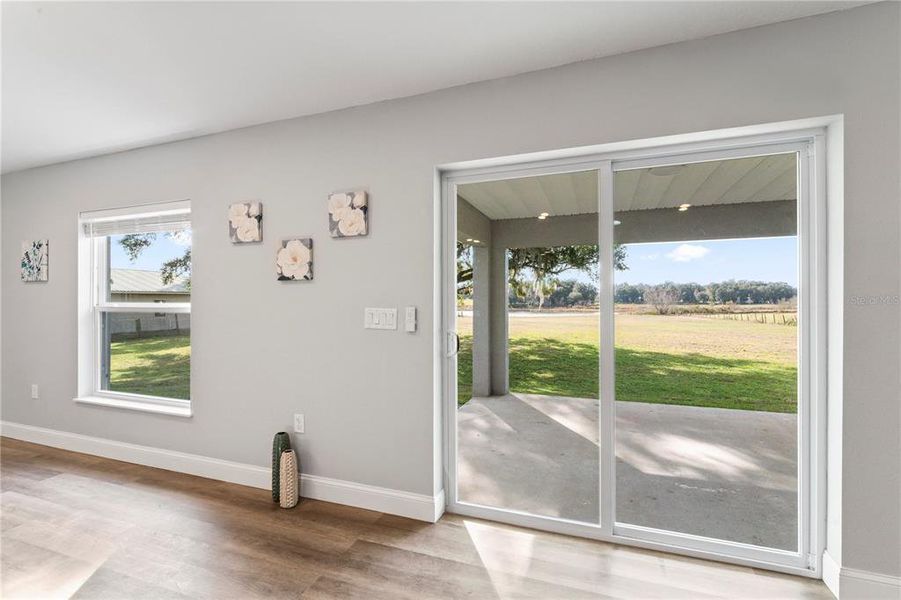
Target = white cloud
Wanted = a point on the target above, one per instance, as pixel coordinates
(687, 253)
(653, 256)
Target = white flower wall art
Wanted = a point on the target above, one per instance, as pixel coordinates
(245, 222)
(35, 260)
(294, 261)
(348, 214)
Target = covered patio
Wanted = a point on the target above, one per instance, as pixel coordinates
(720, 473)
(744, 198)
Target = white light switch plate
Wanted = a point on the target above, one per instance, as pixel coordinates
(34, 391)
(380, 318)
(298, 423)
(410, 319)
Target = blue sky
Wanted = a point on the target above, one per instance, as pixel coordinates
(762, 259)
(152, 257)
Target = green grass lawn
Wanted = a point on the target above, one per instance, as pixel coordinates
(689, 360)
(157, 366)
(695, 361)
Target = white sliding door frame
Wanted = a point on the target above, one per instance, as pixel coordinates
(803, 558)
(808, 143)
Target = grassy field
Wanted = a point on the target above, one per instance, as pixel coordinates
(158, 366)
(690, 360)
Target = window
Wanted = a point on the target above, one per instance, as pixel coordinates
(135, 308)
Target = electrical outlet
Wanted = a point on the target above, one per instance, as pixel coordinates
(34, 391)
(298, 423)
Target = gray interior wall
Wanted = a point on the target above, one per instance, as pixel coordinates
(263, 350)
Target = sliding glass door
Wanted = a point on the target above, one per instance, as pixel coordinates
(630, 349)
(526, 317)
(706, 330)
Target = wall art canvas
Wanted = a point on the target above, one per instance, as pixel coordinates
(35, 260)
(245, 222)
(294, 261)
(348, 214)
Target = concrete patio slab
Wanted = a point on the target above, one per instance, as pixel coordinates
(720, 473)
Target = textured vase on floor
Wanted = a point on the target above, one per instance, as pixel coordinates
(281, 442)
(288, 488)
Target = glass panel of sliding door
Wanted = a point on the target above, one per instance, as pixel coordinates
(706, 343)
(527, 367)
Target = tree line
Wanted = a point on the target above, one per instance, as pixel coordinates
(571, 293)
(725, 292)
(557, 294)
(533, 281)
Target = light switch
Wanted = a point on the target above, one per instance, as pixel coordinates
(380, 318)
(410, 319)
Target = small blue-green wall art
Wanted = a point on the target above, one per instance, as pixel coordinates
(35, 260)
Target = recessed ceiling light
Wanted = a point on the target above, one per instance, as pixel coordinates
(476, 242)
(542, 217)
(544, 214)
(617, 222)
(684, 207)
(468, 239)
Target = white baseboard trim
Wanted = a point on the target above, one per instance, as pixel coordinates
(170, 460)
(865, 585)
(405, 504)
(831, 573)
(856, 584)
(393, 502)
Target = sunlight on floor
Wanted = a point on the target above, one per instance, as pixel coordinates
(502, 551)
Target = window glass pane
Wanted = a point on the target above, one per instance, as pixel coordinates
(146, 353)
(527, 369)
(706, 334)
(150, 266)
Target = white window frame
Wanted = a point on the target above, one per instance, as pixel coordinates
(94, 304)
(807, 138)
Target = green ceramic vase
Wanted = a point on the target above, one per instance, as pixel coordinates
(280, 443)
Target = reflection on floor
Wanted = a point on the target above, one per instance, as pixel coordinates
(727, 474)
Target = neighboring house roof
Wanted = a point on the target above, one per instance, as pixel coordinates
(137, 281)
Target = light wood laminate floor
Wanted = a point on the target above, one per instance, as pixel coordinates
(80, 526)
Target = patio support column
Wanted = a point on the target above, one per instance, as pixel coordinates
(500, 381)
(481, 321)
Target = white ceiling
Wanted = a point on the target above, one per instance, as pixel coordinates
(755, 179)
(526, 197)
(84, 78)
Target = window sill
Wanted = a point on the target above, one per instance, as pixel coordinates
(173, 411)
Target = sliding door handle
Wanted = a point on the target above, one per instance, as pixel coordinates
(453, 342)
